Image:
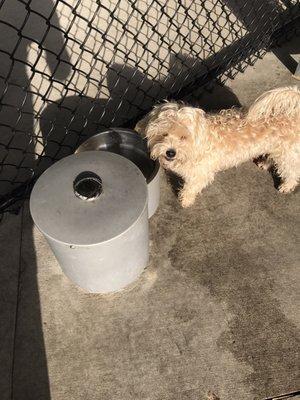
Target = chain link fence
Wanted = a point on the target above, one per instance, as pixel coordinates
(70, 68)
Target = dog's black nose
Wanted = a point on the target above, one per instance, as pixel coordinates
(171, 153)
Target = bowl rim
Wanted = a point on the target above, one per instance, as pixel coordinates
(131, 131)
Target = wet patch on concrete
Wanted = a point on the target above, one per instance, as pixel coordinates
(232, 242)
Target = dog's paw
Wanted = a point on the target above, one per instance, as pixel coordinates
(186, 200)
(185, 203)
(263, 165)
(287, 187)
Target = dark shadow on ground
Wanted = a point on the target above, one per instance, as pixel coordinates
(286, 51)
(23, 352)
(283, 47)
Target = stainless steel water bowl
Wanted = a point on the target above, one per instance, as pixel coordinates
(132, 146)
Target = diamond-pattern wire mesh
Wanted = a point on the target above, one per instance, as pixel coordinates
(70, 68)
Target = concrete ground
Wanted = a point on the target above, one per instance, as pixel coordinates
(216, 310)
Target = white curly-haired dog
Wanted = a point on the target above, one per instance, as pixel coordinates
(196, 145)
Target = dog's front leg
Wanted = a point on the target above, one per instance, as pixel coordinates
(193, 186)
(187, 195)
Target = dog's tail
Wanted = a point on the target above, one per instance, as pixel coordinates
(275, 103)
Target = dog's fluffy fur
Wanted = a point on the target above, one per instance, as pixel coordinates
(208, 143)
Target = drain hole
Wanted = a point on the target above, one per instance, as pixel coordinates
(87, 185)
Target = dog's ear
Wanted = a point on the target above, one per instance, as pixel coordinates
(165, 110)
(158, 119)
(141, 125)
(194, 119)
